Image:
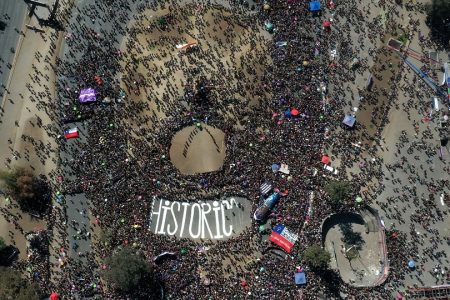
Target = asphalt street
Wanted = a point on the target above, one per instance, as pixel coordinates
(78, 230)
(13, 13)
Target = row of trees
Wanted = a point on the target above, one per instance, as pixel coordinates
(129, 273)
(13, 286)
(33, 195)
(439, 22)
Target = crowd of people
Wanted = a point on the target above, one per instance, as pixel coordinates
(124, 162)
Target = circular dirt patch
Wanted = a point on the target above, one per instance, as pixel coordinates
(198, 149)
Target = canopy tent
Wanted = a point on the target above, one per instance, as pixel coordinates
(349, 120)
(331, 4)
(325, 159)
(284, 168)
(314, 6)
(98, 79)
(300, 278)
(326, 23)
(275, 167)
(54, 296)
(87, 95)
(411, 264)
(288, 113)
(269, 26)
(295, 112)
(359, 199)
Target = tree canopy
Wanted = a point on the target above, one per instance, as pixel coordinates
(316, 257)
(14, 287)
(127, 271)
(439, 22)
(31, 192)
(338, 191)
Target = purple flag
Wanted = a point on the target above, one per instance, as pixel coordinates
(87, 95)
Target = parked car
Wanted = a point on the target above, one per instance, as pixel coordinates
(331, 169)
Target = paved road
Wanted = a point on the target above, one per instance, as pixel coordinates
(77, 205)
(78, 231)
(16, 11)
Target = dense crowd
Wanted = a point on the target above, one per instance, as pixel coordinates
(124, 161)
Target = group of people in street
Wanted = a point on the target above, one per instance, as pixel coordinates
(123, 161)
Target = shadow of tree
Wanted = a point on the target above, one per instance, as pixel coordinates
(332, 280)
(350, 236)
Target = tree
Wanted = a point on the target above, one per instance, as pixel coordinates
(13, 286)
(351, 252)
(316, 257)
(127, 272)
(439, 21)
(350, 237)
(337, 191)
(32, 193)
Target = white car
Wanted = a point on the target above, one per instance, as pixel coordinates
(435, 103)
(331, 169)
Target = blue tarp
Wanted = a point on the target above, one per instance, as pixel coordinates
(269, 26)
(275, 167)
(349, 120)
(300, 278)
(287, 113)
(59, 198)
(314, 5)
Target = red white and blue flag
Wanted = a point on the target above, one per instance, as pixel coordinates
(71, 133)
(283, 237)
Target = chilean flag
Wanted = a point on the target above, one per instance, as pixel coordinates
(283, 237)
(71, 133)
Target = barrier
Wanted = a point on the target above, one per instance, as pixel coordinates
(329, 222)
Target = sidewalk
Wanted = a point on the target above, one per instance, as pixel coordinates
(21, 113)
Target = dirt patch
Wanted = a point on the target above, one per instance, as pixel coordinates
(229, 54)
(198, 149)
(375, 105)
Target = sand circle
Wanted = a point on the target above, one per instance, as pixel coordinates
(198, 149)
